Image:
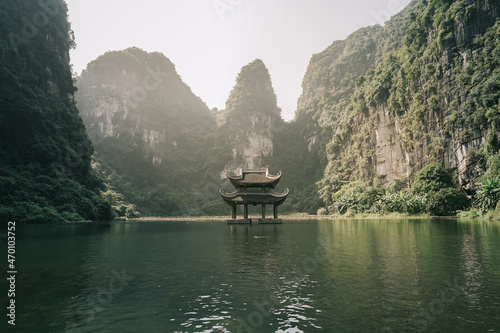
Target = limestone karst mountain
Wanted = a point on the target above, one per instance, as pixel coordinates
(45, 154)
(152, 134)
(424, 87)
(250, 118)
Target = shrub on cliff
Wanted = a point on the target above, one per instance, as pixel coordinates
(355, 196)
(442, 196)
(488, 194)
(431, 178)
(403, 202)
(446, 201)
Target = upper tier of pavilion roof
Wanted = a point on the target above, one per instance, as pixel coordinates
(254, 178)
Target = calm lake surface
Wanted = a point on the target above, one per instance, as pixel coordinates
(302, 276)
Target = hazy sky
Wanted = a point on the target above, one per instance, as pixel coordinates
(210, 40)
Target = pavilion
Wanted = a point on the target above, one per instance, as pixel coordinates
(254, 187)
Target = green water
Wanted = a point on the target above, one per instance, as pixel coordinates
(302, 276)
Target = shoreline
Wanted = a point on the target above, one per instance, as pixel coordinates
(286, 218)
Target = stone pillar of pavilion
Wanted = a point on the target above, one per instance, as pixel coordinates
(254, 187)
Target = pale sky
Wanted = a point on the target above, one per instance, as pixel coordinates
(210, 40)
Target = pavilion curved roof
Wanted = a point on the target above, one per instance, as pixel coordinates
(254, 178)
(240, 197)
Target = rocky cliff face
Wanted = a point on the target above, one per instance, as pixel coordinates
(152, 134)
(250, 118)
(388, 100)
(139, 96)
(325, 113)
(483, 15)
(443, 142)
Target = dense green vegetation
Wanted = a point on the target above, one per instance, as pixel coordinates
(45, 172)
(488, 194)
(301, 168)
(432, 192)
(325, 107)
(436, 83)
(487, 200)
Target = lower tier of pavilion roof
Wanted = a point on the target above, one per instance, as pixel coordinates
(242, 197)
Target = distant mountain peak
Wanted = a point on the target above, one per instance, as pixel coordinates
(250, 117)
(253, 91)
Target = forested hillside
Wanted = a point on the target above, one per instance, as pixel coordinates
(389, 100)
(152, 134)
(45, 154)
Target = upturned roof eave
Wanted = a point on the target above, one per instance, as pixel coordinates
(238, 181)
